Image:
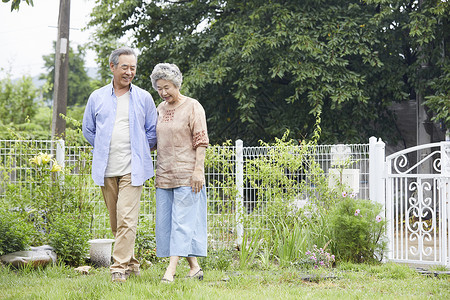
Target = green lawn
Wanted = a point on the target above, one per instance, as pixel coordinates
(348, 281)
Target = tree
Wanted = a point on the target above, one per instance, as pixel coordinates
(440, 101)
(18, 108)
(414, 36)
(17, 100)
(260, 67)
(79, 83)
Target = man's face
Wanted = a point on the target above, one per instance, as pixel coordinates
(124, 72)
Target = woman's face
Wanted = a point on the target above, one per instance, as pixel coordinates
(168, 91)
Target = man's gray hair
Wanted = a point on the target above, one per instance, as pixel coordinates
(114, 57)
(168, 72)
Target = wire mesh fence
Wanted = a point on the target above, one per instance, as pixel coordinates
(225, 197)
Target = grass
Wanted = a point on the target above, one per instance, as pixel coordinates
(349, 281)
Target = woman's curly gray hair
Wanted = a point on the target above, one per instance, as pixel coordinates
(168, 72)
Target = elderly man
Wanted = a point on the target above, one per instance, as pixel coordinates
(120, 123)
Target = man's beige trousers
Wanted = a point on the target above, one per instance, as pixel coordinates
(123, 202)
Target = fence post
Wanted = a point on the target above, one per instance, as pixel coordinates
(240, 191)
(380, 183)
(445, 214)
(60, 157)
(60, 152)
(377, 183)
(376, 171)
(372, 164)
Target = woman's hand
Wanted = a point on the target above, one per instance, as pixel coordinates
(197, 181)
(198, 176)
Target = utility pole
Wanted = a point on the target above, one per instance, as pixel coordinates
(61, 71)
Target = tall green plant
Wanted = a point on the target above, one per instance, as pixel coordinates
(221, 178)
(357, 230)
(288, 242)
(69, 236)
(275, 177)
(220, 160)
(251, 245)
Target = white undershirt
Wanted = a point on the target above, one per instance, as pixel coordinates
(119, 161)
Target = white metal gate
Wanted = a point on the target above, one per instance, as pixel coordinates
(417, 206)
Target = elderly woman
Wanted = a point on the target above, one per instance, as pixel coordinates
(182, 139)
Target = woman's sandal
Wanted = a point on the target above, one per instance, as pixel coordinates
(198, 275)
(165, 280)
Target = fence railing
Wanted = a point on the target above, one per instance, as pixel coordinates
(230, 191)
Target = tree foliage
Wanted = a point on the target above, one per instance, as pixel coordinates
(17, 100)
(415, 43)
(15, 4)
(261, 67)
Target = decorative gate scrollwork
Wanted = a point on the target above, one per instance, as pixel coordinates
(416, 204)
(420, 209)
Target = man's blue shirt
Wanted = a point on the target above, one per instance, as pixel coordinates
(98, 123)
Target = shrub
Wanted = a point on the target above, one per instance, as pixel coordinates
(69, 236)
(357, 230)
(15, 233)
(145, 242)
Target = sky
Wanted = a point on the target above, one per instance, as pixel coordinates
(28, 34)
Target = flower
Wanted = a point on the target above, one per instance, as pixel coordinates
(41, 159)
(46, 158)
(319, 258)
(378, 218)
(55, 167)
(353, 195)
(357, 212)
(344, 194)
(37, 160)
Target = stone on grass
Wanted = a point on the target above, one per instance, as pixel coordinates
(35, 257)
(83, 269)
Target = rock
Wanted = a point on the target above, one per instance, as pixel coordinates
(43, 247)
(33, 258)
(317, 278)
(83, 269)
(146, 264)
(430, 273)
